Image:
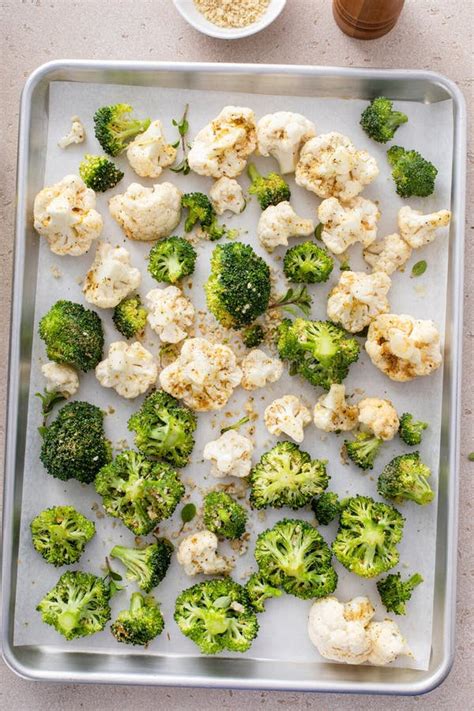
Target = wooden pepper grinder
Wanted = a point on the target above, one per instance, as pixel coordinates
(367, 19)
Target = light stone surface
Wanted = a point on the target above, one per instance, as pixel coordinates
(431, 34)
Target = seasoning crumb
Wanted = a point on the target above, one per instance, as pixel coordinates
(232, 13)
(55, 271)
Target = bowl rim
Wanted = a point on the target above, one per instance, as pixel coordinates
(194, 18)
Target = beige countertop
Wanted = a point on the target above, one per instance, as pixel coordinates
(431, 34)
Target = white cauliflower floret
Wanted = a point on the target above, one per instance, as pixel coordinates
(64, 213)
(259, 369)
(227, 194)
(388, 255)
(346, 224)
(170, 313)
(76, 134)
(111, 277)
(204, 375)
(358, 298)
(278, 222)
(147, 213)
(379, 416)
(287, 414)
(60, 379)
(387, 643)
(403, 347)
(418, 229)
(149, 153)
(197, 553)
(282, 135)
(331, 166)
(231, 455)
(223, 145)
(129, 368)
(332, 413)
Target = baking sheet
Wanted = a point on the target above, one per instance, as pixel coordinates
(430, 130)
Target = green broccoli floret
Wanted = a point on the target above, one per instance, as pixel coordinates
(363, 450)
(129, 317)
(380, 121)
(286, 476)
(253, 336)
(73, 335)
(413, 174)
(269, 189)
(74, 445)
(141, 623)
(238, 287)
(138, 491)
(306, 263)
(319, 351)
(411, 430)
(149, 565)
(406, 477)
(327, 507)
(60, 534)
(395, 593)
(77, 606)
(202, 211)
(259, 590)
(114, 128)
(99, 173)
(172, 259)
(164, 428)
(217, 615)
(294, 556)
(366, 542)
(223, 515)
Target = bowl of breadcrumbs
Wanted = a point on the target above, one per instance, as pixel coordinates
(229, 19)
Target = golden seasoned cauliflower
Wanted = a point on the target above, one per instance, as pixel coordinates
(64, 213)
(76, 133)
(197, 553)
(332, 413)
(170, 313)
(204, 375)
(287, 414)
(223, 145)
(230, 455)
(61, 379)
(388, 255)
(111, 277)
(418, 229)
(281, 135)
(259, 369)
(358, 298)
(227, 194)
(278, 222)
(129, 368)
(403, 347)
(346, 224)
(147, 214)
(379, 417)
(331, 166)
(387, 643)
(149, 152)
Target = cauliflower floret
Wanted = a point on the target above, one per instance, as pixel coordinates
(76, 134)
(231, 455)
(278, 222)
(223, 146)
(259, 369)
(387, 643)
(346, 224)
(149, 153)
(379, 416)
(287, 414)
(111, 277)
(204, 375)
(64, 213)
(197, 553)
(60, 379)
(281, 135)
(129, 368)
(388, 255)
(147, 214)
(170, 313)
(403, 347)
(331, 166)
(227, 194)
(418, 229)
(332, 413)
(358, 298)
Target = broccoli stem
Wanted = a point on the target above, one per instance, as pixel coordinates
(236, 425)
(136, 602)
(253, 172)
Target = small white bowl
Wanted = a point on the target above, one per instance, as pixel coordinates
(191, 14)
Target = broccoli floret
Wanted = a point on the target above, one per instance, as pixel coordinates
(217, 615)
(77, 606)
(319, 351)
(202, 211)
(306, 263)
(73, 335)
(413, 174)
(395, 593)
(99, 173)
(129, 317)
(363, 450)
(286, 476)
(366, 542)
(164, 428)
(141, 623)
(269, 189)
(74, 445)
(327, 507)
(114, 128)
(380, 121)
(138, 491)
(411, 430)
(60, 534)
(406, 477)
(259, 590)
(172, 259)
(223, 515)
(238, 287)
(253, 336)
(149, 565)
